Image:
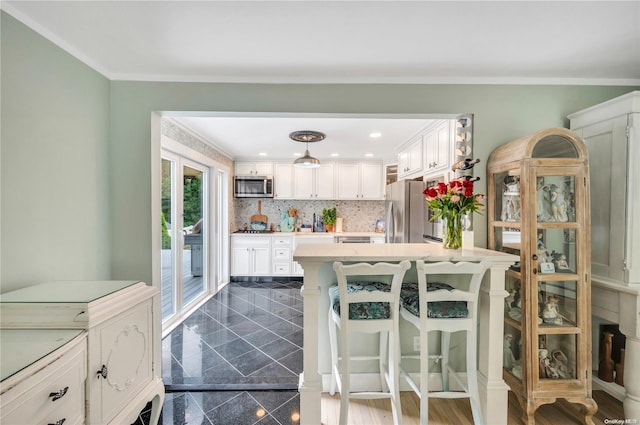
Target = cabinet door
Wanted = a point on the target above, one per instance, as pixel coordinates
(607, 145)
(240, 259)
(303, 184)
(371, 181)
(119, 348)
(403, 163)
(324, 182)
(244, 168)
(415, 157)
(264, 168)
(261, 260)
(437, 148)
(348, 181)
(282, 180)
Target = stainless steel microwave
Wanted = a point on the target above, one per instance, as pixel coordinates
(253, 186)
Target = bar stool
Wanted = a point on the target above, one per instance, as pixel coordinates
(434, 306)
(366, 299)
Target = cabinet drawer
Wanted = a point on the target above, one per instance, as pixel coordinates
(281, 241)
(30, 402)
(281, 254)
(281, 268)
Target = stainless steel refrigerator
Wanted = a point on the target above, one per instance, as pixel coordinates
(406, 212)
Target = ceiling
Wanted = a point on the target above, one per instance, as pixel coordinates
(341, 41)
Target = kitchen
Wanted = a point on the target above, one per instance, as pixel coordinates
(360, 156)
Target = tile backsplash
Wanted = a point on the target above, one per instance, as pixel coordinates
(358, 216)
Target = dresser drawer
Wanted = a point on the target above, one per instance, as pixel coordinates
(281, 241)
(49, 395)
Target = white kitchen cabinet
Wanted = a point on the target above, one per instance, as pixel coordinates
(410, 158)
(314, 183)
(360, 181)
(611, 131)
(254, 168)
(43, 376)
(438, 147)
(282, 253)
(250, 255)
(123, 324)
(283, 181)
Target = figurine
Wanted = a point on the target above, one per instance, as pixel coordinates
(562, 365)
(543, 362)
(551, 314)
(558, 204)
(561, 264)
(543, 208)
(508, 359)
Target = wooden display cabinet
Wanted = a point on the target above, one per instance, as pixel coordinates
(538, 189)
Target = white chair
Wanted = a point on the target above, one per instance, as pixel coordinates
(370, 293)
(441, 307)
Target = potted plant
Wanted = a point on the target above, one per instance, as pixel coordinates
(329, 218)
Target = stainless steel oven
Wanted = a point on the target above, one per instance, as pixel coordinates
(253, 186)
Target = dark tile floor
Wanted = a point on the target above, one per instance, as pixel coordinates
(236, 360)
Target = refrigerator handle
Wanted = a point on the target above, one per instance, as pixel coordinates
(391, 225)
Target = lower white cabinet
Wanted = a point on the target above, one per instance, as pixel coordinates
(123, 325)
(43, 376)
(250, 255)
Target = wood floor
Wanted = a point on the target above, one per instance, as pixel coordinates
(458, 412)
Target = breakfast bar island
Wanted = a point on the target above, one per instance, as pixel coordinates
(317, 262)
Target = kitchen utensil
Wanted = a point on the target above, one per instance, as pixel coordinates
(259, 220)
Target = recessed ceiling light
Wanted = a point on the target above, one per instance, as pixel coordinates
(262, 154)
(368, 154)
(335, 154)
(297, 154)
(375, 135)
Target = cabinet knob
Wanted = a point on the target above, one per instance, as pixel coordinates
(535, 270)
(60, 422)
(103, 372)
(535, 256)
(58, 395)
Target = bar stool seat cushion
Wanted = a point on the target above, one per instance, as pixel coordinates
(363, 310)
(436, 310)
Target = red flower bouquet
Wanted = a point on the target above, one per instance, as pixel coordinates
(451, 202)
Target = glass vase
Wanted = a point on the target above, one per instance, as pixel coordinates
(452, 238)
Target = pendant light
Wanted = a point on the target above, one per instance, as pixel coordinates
(307, 136)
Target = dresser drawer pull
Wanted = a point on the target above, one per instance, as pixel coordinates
(103, 372)
(60, 422)
(59, 394)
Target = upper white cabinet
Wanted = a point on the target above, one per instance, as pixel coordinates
(438, 147)
(282, 180)
(314, 183)
(258, 168)
(410, 158)
(611, 132)
(360, 181)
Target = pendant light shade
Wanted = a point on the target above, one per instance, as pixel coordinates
(307, 136)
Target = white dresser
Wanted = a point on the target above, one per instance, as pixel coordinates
(43, 376)
(123, 331)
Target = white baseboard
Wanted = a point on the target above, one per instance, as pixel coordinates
(611, 388)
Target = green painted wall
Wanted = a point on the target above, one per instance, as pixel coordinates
(502, 113)
(54, 165)
(76, 148)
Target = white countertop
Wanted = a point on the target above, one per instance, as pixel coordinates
(333, 234)
(396, 252)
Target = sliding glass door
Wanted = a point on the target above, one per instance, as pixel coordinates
(186, 220)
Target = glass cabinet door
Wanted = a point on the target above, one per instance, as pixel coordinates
(556, 277)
